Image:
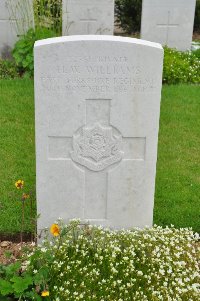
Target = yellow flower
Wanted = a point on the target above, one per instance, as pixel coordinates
(45, 293)
(25, 196)
(55, 230)
(19, 184)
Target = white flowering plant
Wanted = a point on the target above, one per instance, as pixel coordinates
(181, 67)
(89, 263)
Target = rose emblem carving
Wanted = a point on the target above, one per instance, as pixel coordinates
(96, 147)
(97, 142)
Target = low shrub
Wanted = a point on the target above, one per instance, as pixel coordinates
(181, 67)
(128, 15)
(84, 262)
(8, 69)
(23, 50)
(197, 54)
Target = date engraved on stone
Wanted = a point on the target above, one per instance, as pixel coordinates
(96, 147)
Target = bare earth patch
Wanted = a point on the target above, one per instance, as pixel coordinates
(196, 36)
(10, 252)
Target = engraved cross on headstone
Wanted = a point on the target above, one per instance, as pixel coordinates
(68, 22)
(89, 20)
(167, 25)
(97, 148)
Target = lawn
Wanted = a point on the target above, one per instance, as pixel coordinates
(177, 197)
(17, 149)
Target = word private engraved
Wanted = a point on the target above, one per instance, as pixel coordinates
(96, 147)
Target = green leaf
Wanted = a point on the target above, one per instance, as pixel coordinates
(21, 283)
(32, 295)
(5, 287)
(12, 269)
(38, 298)
(41, 275)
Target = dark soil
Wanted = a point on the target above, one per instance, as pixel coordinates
(16, 237)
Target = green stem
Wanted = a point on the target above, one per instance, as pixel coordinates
(22, 224)
(31, 215)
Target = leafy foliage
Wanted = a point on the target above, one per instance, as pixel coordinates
(8, 69)
(23, 50)
(128, 13)
(48, 14)
(14, 283)
(181, 67)
(197, 53)
(91, 263)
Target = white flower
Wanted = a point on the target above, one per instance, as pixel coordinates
(139, 273)
(162, 272)
(43, 250)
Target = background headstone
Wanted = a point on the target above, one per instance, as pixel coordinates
(97, 101)
(81, 17)
(169, 22)
(16, 17)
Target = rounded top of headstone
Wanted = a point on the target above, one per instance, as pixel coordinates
(78, 38)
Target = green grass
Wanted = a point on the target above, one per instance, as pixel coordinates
(17, 159)
(177, 197)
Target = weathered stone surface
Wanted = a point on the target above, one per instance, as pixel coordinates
(88, 17)
(16, 17)
(97, 101)
(169, 22)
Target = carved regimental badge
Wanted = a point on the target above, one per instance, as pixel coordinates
(97, 147)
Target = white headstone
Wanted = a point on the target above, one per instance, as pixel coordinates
(97, 101)
(16, 17)
(169, 22)
(81, 17)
